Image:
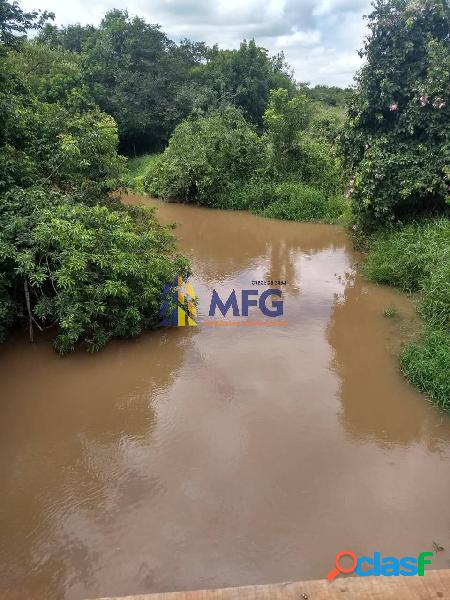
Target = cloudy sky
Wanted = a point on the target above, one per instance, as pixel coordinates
(318, 37)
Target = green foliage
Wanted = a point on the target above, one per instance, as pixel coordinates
(417, 258)
(397, 141)
(435, 307)
(51, 74)
(93, 272)
(290, 172)
(140, 169)
(206, 158)
(134, 73)
(244, 78)
(300, 141)
(328, 95)
(7, 308)
(426, 364)
(14, 23)
(91, 268)
(289, 200)
(407, 257)
(51, 134)
(300, 202)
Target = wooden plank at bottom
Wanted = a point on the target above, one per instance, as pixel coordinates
(433, 585)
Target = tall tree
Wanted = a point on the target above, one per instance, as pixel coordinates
(245, 77)
(14, 22)
(397, 143)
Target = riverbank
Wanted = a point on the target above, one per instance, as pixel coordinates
(416, 259)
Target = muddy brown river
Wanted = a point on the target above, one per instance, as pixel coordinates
(202, 457)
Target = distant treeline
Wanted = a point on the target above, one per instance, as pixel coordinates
(149, 83)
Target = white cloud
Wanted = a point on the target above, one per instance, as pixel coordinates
(301, 38)
(320, 37)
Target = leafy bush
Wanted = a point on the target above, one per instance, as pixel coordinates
(398, 181)
(220, 161)
(55, 144)
(426, 364)
(206, 158)
(71, 257)
(92, 272)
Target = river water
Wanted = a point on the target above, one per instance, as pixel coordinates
(205, 457)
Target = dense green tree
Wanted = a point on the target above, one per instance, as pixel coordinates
(300, 141)
(329, 95)
(244, 78)
(397, 143)
(71, 257)
(52, 134)
(88, 271)
(135, 73)
(149, 84)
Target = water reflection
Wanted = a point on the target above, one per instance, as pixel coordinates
(377, 403)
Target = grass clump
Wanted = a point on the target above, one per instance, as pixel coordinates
(416, 258)
(406, 257)
(290, 200)
(390, 312)
(426, 363)
(301, 202)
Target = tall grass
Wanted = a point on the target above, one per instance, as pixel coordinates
(417, 258)
(139, 169)
(290, 200)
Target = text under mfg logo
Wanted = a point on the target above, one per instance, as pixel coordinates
(178, 308)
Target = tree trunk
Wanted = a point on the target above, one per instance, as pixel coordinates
(30, 316)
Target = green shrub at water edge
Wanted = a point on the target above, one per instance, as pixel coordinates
(435, 307)
(290, 200)
(396, 141)
(206, 158)
(93, 272)
(405, 257)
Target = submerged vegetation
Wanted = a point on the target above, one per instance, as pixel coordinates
(221, 128)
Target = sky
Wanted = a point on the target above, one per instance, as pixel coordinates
(320, 38)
